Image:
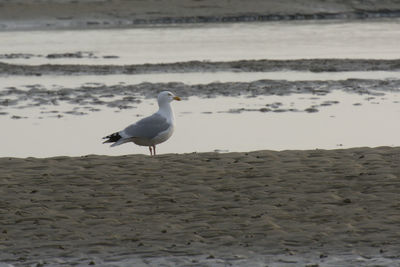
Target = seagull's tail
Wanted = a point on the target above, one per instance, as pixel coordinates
(112, 138)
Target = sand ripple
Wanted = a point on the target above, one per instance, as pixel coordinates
(330, 202)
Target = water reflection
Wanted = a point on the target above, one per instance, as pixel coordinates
(216, 42)
(49, 81)
(207, 125)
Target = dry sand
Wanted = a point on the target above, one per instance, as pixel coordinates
(227, 207)
(34, 14)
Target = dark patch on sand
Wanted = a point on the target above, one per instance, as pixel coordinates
(313, 65)
(279, 108)
(72, 55)
(94, 96)
(78, 54)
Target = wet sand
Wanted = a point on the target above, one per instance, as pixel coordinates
(97, 96)
(312, 65)
(53, 14)
(290, 207)
(316, 206)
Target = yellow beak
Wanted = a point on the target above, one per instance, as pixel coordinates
(177, 98)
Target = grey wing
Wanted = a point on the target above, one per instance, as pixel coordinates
(148, 127)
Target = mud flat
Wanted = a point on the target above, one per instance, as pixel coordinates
(312, 65)
(96, 96)
(55, 14)
(298, 207)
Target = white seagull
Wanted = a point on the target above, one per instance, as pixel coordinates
(149, 131)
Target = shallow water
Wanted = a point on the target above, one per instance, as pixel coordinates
(222, 124)
(372, 39)
(215, 124)
(190, 78)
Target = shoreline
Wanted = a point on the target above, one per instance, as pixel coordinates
(94, 97)
(95, 14)
(62, 24)
(236, 206)
(319, 207)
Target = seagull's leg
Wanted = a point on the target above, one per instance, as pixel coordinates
(154, 149)
(151, 151)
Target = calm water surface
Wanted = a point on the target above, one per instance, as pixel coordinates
(207, 124)
(378, 39)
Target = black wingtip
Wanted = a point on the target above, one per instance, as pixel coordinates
(112, 138)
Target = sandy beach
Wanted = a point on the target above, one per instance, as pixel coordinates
(338, 207)
(231, 207)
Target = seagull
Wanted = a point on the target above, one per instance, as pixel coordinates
(149, 131)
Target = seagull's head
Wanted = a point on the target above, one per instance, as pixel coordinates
(167, 97)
